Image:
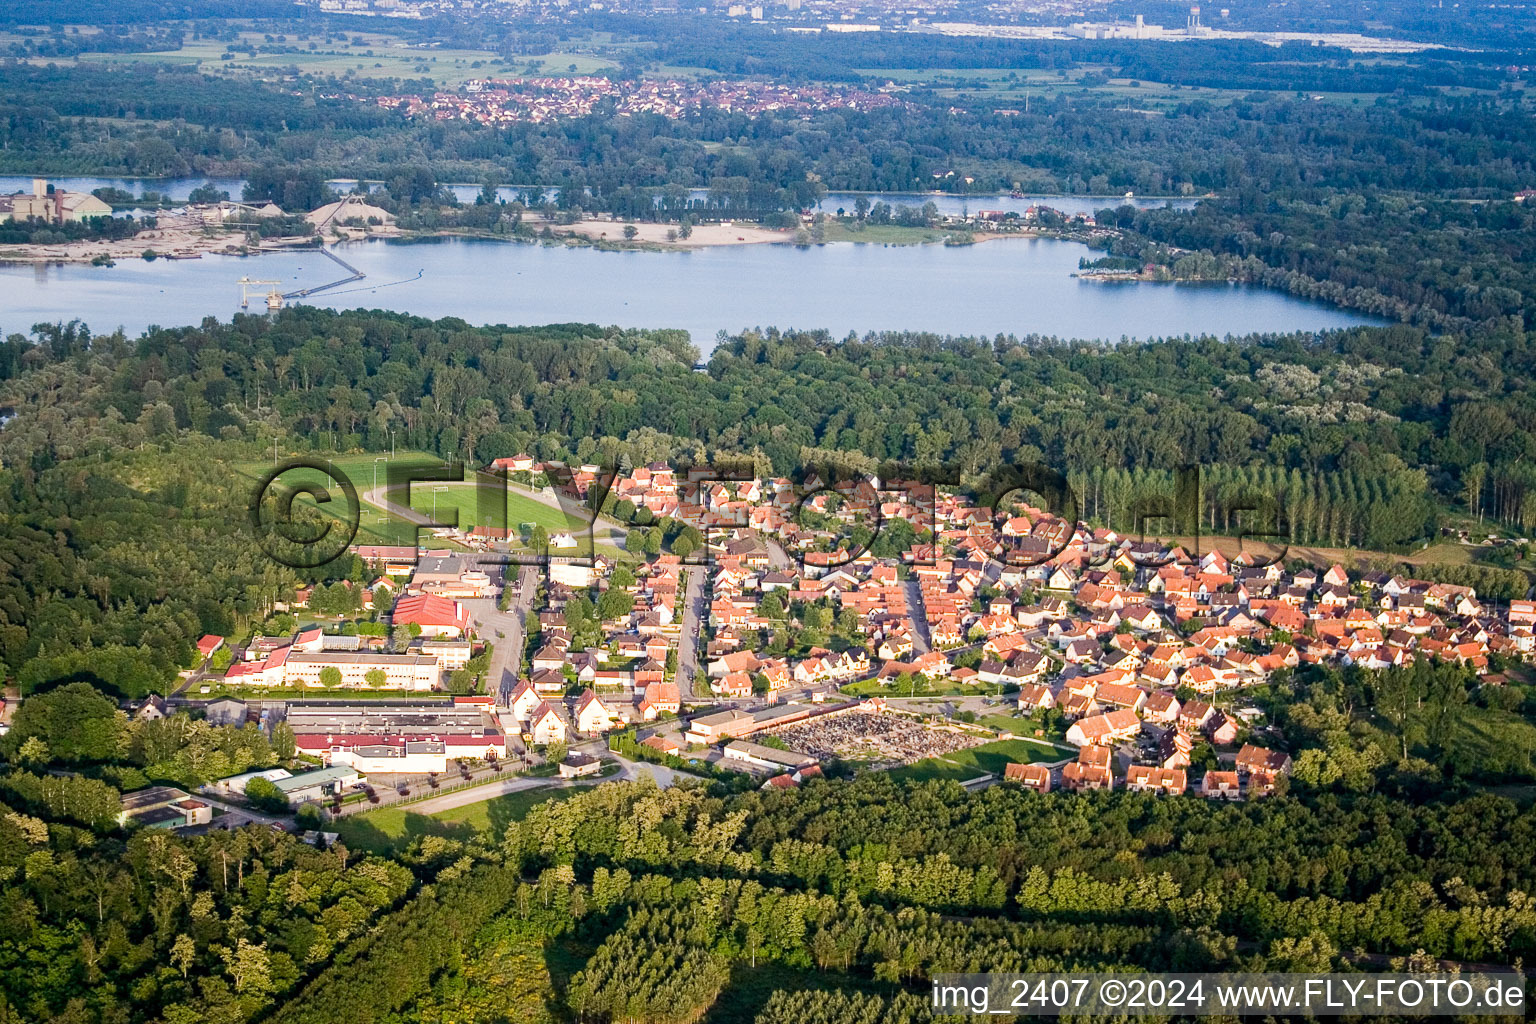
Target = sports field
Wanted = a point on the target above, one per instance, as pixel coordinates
(467, 502)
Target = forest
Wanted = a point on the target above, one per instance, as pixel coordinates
(694, 904)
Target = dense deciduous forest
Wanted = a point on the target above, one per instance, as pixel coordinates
(632, 903)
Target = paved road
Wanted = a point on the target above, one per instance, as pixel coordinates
(664, 776)
(778, 558)
(410, 515)
(628, 770)
(507, 658)
(922, 640)
(475, 794)
(688, 669)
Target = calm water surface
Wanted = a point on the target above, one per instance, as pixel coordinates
(1010, 286)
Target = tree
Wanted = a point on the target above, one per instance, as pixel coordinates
(33, 751)
(265, 795)
(207, 192)
(630, 231)
(555, 752)
(248, 966)
(375, 677)
(75, 721)
(283, 743)
(330, 676)
(400, 639)
(183, 954)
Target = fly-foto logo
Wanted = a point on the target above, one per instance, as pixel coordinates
(822, 516)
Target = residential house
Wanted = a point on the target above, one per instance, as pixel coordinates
(1141, 778)
(546, 725)
(1221, 786)
(1258, 760)
(1031, 776)
(592, 715)
(1106, 728)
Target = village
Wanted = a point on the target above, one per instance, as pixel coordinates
(1006, 648)
(538, 100)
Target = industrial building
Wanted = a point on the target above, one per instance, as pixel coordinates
(401, 671)
(316, 785)
(52, 205)
(396, 737)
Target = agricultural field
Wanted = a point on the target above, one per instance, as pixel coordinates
(360, 55)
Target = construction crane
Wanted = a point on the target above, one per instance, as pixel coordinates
(273, 296)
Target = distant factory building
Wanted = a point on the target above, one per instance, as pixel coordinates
(54, 206)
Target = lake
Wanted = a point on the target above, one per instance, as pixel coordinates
(1011, 286)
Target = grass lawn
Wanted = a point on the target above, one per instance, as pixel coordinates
(930, 768)
(993, 757)
(374, 526)
(392, 828)
(974, 762)
(946, 688)
(502, 809)
(463, 500)
(882, 234)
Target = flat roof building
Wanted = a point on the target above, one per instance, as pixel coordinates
(337, 731)
(316, 784)
(764, 758)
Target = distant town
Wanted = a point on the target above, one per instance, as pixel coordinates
(500, 101)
